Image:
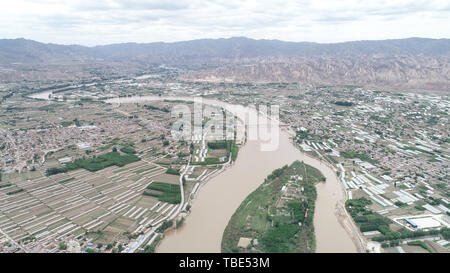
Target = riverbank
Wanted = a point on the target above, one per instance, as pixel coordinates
(218, 199)
(221, 196)
(341, 214)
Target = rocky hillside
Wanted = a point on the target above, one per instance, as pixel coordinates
(405, 63)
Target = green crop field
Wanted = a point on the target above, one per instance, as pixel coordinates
(165, 192)
(96, 163)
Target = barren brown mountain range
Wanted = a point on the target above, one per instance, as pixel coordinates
(416, 64)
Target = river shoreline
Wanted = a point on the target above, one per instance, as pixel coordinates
(219, 197)
(330, 233)
(344, 219)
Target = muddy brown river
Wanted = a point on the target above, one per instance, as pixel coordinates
(217, 200)
(222, 195)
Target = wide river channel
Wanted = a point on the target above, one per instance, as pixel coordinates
(219, 197)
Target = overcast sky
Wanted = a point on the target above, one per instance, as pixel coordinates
(94, 22)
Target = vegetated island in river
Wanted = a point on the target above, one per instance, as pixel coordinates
(278, 215)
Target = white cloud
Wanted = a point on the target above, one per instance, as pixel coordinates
(111, 21)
